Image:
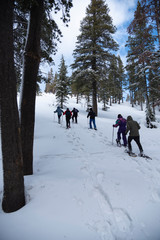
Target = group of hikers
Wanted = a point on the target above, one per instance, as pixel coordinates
(69, 114)
(74, 114)
(132, 127)
(124, 126)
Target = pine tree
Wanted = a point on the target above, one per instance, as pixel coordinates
(13, 190)
(31, 61)
(62, 84)
(141, 46)
(113, 80)
(95, 46)
(28, 93)
(50, 82)
(50, 32)
(78, 86)
(121, 78)
(152, 11)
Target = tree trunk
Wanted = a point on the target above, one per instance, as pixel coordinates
(94, 97)
(110, 100)
(28, 93)
(77, 98)
(13, 194)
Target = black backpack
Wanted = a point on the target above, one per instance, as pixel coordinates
(92, 114)
(68, 114)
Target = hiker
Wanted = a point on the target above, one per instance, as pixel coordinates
(68, 114)
(133, 129)
(59, 113)
(121, 122)
(75, 114)
(92, 115)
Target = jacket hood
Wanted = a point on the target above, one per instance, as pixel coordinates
(129, 118)
(119, 116)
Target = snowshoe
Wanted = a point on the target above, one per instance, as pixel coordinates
(118, 143)
(144, 156)
(131, 154)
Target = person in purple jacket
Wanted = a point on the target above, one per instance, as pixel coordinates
(121, 123)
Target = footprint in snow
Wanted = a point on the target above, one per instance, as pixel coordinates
(100, 177)
(123, 220)
(156, 195)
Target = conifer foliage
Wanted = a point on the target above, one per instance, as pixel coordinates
(94, 47)
(62, 84)
(141, 49)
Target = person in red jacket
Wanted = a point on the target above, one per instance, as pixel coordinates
(68, 114)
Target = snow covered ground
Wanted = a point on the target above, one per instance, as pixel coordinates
(85, 187)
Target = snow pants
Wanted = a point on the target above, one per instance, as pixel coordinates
(123, 137)
(137, 140)
(59, 119)
(67, 122)
(74, 116)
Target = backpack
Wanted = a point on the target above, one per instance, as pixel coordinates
(68, 114)
(92, 114)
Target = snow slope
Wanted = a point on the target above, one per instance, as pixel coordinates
(85, 187)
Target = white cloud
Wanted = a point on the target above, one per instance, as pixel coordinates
(120, 10)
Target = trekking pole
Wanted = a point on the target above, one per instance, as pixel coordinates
(112, 135)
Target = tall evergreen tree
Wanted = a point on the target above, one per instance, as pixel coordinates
(62, 84)
(50, 82)
(152, 11)
(31, 61)
(141, 46)
(19, 33)
(94, 45)
(50, 33)
(121, 78)
(28, 92)
(13, 194)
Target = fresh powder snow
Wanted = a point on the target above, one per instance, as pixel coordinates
(84, 186)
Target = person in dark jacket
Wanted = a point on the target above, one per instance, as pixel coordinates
(92, 115)
(59, 113)
(75, 114)
(68, 114)
(121, 123)
(133, 129)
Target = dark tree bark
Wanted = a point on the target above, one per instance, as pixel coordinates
(13, 194)
(28, 94)
(94, 97)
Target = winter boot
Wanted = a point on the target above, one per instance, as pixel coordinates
(118, 142)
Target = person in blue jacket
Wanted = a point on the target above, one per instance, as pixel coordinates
(59, 112)
(121, 123)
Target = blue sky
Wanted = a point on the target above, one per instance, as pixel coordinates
(121, 11)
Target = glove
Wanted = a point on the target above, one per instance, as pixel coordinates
(113, 125)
